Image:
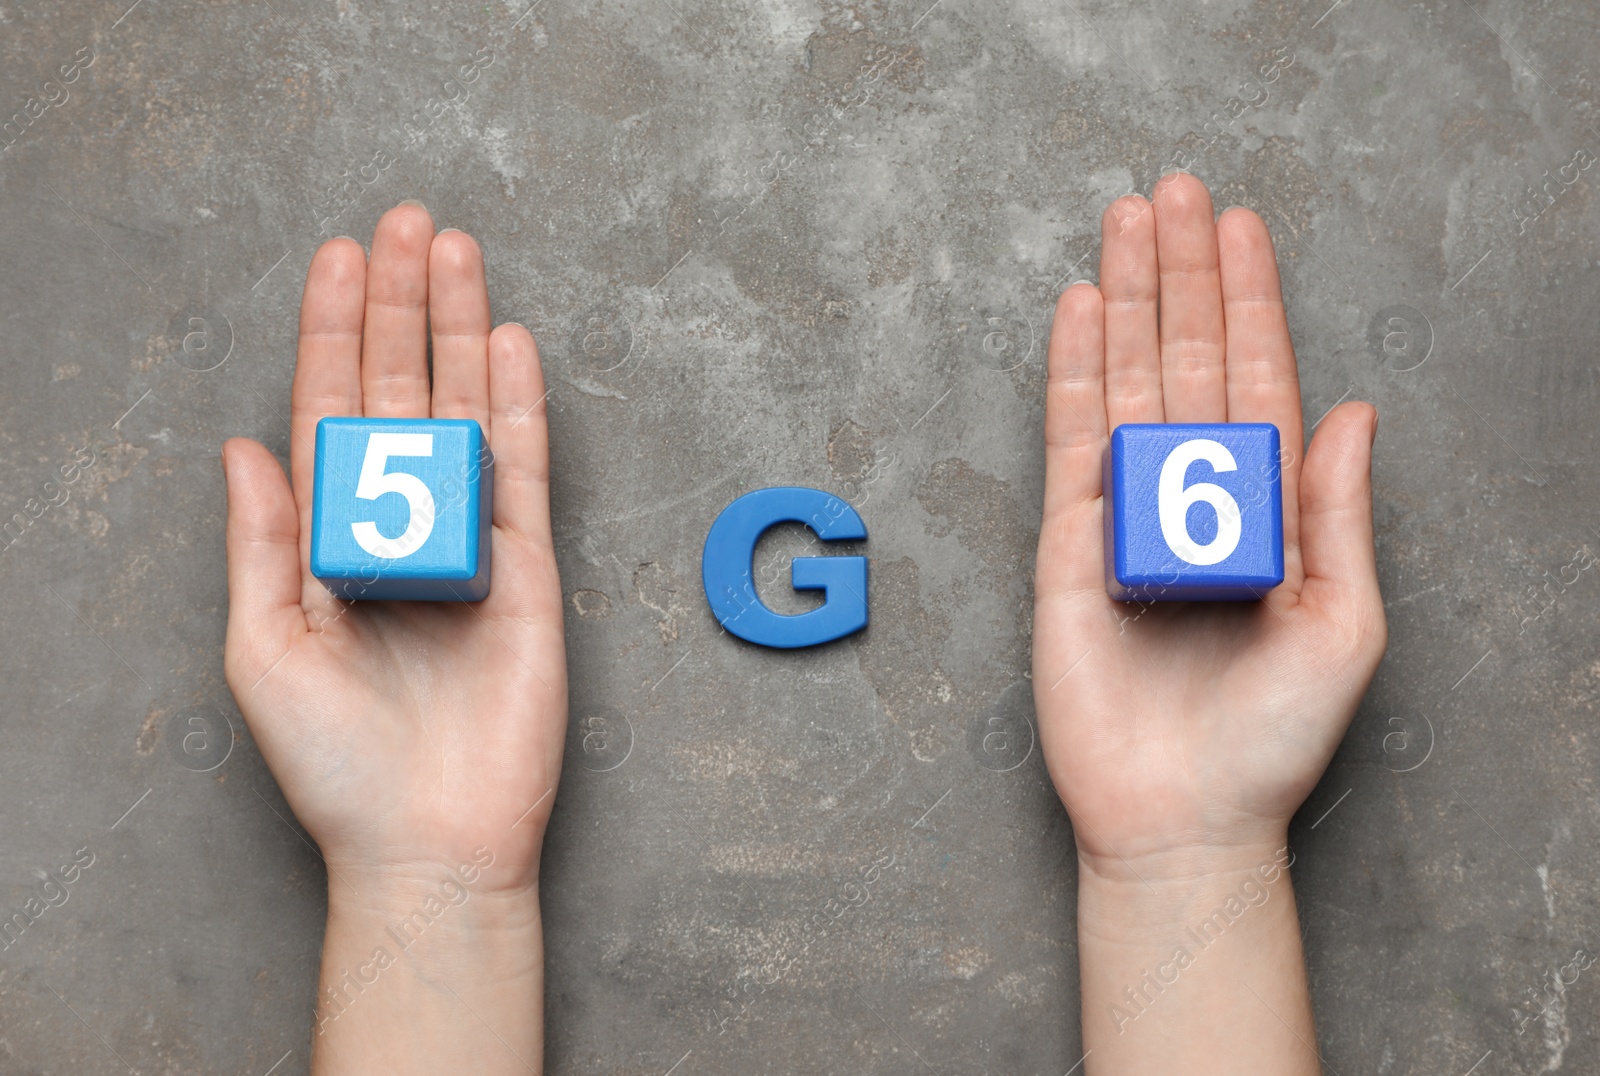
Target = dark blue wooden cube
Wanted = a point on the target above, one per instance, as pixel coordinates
(1193, 512)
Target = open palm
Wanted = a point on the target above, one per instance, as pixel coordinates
(1174, 724)
(405, 735)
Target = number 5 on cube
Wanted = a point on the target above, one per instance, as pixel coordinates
(401, 508)
(1193, 512)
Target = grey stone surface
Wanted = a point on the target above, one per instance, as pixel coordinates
(751, 258)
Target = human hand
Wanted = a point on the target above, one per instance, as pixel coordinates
(404, 733)
(1187, 726)
(1182, 736)
(410, 738)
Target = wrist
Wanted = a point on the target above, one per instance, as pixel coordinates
(1126, 843)
(1200, 934)
(1175, 888)
(423, 971)
(430, 912)
(393, 869)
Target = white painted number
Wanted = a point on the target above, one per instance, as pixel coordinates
(374, 484)
(1173, 501)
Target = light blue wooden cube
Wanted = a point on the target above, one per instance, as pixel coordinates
(401, 508)
(1193, 512)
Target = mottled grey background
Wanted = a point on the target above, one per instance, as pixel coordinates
(751, 257)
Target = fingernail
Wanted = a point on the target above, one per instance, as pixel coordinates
(1374, 424)
(443, 230)
(413, 201)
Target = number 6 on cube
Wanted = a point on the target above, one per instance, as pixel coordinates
(1193, 512)
(427, 542)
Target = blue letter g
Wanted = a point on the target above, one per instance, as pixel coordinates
(730, 587)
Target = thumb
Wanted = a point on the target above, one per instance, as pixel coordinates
(1336, 524)
(264, 614)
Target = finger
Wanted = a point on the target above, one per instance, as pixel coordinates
(1075, 440)
(1129, 282)
(394, 350)
(1263, 382)
(458, 310)
(1193, 386)
(264, 578)
(327, 372)
(519, 435)
(1336, 518)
